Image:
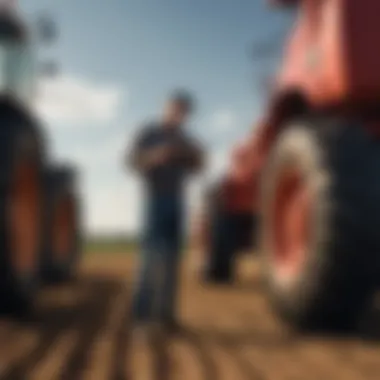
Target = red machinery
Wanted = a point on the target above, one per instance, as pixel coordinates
(227, 224)
(39, 219)
(316, 159)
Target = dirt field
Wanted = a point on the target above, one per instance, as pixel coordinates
(80, 331)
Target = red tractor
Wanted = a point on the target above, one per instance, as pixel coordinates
(316, 160)
(39, 221)
(227, 225)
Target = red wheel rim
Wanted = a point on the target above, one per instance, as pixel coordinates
(63, 228)
(25, 217)
(291, 223)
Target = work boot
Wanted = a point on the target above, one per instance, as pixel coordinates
(173, 326)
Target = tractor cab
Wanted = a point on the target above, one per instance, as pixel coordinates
(17, 66)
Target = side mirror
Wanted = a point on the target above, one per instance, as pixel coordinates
(47, 31)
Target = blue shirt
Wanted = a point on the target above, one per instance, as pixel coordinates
(167, 179)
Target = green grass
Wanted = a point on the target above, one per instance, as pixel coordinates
(110, 246)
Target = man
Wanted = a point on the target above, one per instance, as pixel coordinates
(165, 156)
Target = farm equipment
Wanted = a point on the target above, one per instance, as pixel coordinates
(227, 225)
(315, 157)
(31, 201)
(62, 225)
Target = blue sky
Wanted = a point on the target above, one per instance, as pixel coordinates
(118, 60)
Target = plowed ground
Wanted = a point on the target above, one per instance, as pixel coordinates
(81, 331)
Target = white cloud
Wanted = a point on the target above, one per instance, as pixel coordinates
(115, 207)
(109, 153)
(110, 197)
(102, 153)
(73, 100)
(223, 120)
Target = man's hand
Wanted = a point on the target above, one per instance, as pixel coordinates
(192, 156)
(160, 154)
(156, 156)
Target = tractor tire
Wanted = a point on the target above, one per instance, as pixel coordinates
(22, 157)
(222, 248)
(246, 231)
(62, 228)
(231, 236)
(320, 240)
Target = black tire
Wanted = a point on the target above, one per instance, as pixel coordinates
(230, 234)
(338, 270)
(22, 156)
(246, 231)
(60, 258)
(222, 247)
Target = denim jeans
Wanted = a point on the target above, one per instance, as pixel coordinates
(157, 281)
